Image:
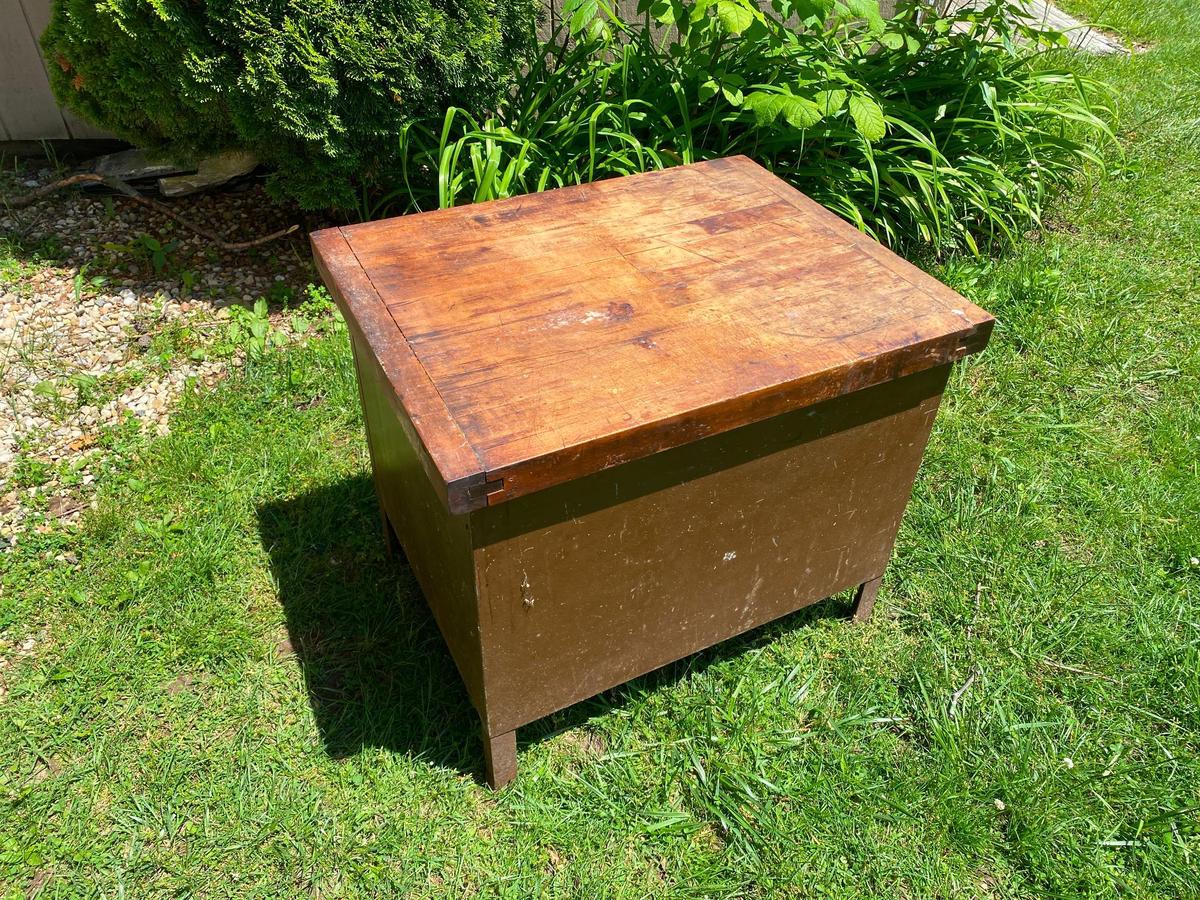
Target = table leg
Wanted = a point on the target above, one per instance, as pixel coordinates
(500, 758)
(864, 599)
(391, 543)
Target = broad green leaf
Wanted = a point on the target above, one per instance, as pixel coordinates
(868, 10)
(830, 101)
(46, 389)
(599, 30)
(814, 10)
(764, 105)
(892, 40)
(708, 90)
(868, 117)
(800, 112)
(734, 16)
(579, 13)
(664, 11)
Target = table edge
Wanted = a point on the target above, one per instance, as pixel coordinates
(546, 470)
(459, 470)
(447, 456)
(604, 452)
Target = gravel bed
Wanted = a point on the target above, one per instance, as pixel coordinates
(95, 332)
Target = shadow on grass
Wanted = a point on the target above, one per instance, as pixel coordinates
(376, 670)
(374, 664)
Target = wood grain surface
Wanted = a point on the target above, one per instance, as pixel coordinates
(536, 340)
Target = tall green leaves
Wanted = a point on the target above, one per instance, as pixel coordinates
(572, 119)
(945, 131)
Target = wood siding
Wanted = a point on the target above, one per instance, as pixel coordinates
(28, 111)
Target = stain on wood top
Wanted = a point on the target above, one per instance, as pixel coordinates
(535, 340)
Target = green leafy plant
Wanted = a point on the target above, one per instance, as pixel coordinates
(251, 329)
(573, 117)
(144, 251)
(28, 471)
(943, 130)
(46, 389)
(317, 314)
(160, 529)
(81, 284)
(85, 385)
(157, 252)
(316, 88)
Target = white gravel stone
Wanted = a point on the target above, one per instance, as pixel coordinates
(51, 341)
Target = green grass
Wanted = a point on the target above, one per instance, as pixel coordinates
(234, 693)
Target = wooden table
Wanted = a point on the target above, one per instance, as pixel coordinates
(612, 425)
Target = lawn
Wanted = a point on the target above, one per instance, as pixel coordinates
(218, 685)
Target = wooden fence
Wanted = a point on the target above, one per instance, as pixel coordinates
(28, 111)
(627, 9)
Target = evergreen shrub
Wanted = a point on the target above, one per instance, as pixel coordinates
(318, 89)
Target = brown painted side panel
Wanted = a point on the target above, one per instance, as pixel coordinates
(586, 585)
(436, 542)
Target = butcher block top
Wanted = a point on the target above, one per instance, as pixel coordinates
(536, 340)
